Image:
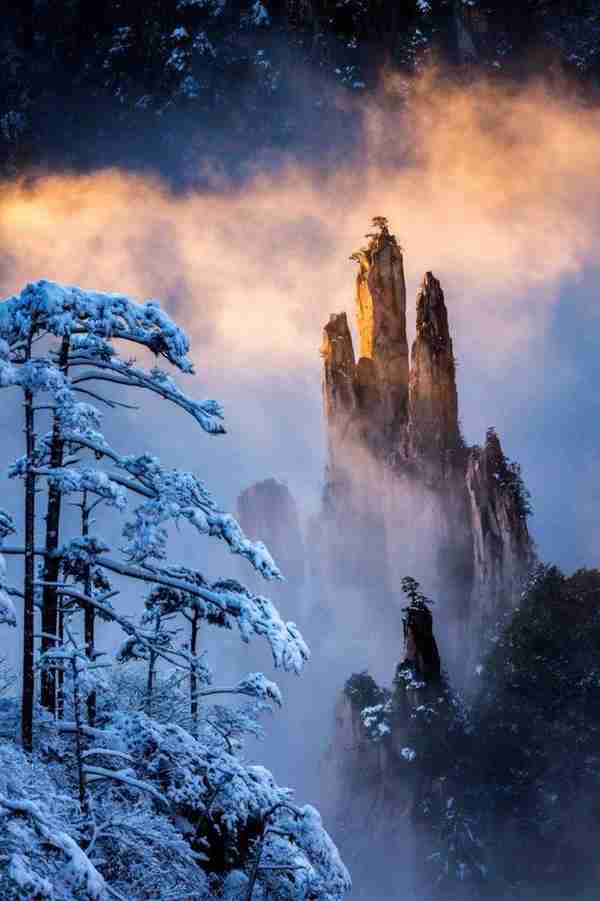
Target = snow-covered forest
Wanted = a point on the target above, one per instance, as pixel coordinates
(138, 787)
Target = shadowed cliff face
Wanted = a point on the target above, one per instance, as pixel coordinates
(339, 378)
(268, 512)
(433, 406)
(379, 766)
(502, 548)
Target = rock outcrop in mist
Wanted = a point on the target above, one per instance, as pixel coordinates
(385, 758)
(404, 494)
(502, 548)
(433, 405)
(267, 509)
(405, 498)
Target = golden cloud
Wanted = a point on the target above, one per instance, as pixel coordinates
(494, 188)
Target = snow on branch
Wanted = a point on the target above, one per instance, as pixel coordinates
(124, 777)
(7, 525)
(254, 685)
(78, 872)
(181, 495)
(85, 478)
(172, 494)
(8, 614)
(298, 841)
(258, 686)
(254, 615)
(119, 372)
(68, 310)
(35, 375)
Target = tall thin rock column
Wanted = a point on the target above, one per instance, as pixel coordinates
(269, 509)
(433, 403)
(381, 303)
(503, 549)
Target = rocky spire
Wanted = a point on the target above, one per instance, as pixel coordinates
(398, 470)
(340, 399)
(433, 404)
(339, 368)
(267, 511)
(502, 547)
(381, 302)
(377, 729)
(421, 647)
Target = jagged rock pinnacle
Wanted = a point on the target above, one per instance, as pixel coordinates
(267, 511)
(502, 546)
(433, 403)
(339, 367)
(398, 468)
(381, 302)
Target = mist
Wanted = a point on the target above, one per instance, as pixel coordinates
(493, 187)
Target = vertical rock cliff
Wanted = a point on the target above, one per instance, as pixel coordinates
(433, 404)
(349, 533)
(381, 313)
(366, 401)
(267, 511)
(387, 748)
(403, 494)
(339, 384)
(499, 505)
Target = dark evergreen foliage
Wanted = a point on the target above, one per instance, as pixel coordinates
(526, 772)
(166, 83)
(363, 691)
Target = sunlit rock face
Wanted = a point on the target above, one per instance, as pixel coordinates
(378, 402)
(403, 494)
(381, 314)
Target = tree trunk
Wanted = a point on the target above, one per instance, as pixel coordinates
(193, 676)
(52, 562)
(256, 862)
(60, 693)
(151, 671)
(150, 683)
(89, 613)
(28, 606)
(83, 800)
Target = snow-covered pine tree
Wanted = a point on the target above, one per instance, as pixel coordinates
(163, 605)
(57, 343)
